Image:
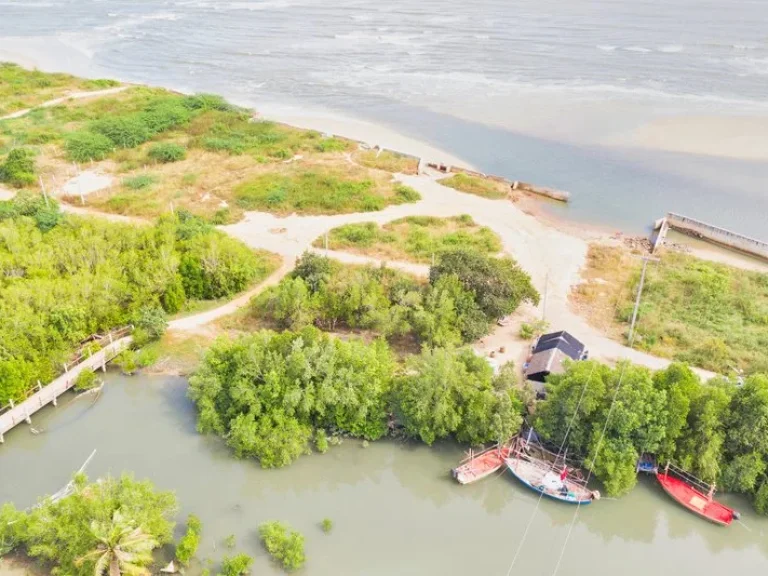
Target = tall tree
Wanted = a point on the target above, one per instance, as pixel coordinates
(121, 549)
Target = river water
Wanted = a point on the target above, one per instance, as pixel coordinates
(522, 88)
(395, 508)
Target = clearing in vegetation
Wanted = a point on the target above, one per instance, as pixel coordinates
(414, 238)
(704, 313)
(21, 88)
(477, 186)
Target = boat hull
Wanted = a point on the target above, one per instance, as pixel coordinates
(480, 466)
(694, 501)
(545, 482)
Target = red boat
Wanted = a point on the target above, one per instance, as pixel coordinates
(477, 466)
(697, 502)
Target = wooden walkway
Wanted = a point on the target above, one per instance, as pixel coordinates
(22, 412)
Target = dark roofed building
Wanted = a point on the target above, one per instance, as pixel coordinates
(550, 352)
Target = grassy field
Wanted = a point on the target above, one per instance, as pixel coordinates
(321, 189)
(388, 161)
(477, 186)
(198, 153)
(708, 314)
(415, 238)
(21, 88)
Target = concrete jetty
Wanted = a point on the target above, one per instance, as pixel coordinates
(706, 231)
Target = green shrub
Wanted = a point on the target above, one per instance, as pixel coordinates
(321, 441)
(165, 114)
(127, 131)
(283, 544)
(406, 194)
(86, 380)
(166, 152)
(140, 181)
(126, 361)
(84, 146)
(327, 525)
(18, 169)
(152, 323)
(208, 102)
(331, 145)
(230, 542)
(236, 566)
(188, 544)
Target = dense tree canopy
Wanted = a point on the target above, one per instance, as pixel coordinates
(458, 305)
(716, 430)
(454, 393)
(267, 393)
(63, 278)
(80, 534)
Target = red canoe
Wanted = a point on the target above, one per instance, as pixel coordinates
(695, 501)
(478, 466)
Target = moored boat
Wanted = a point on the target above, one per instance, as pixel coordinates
(682, 488)
(548, 478)
(478, 466)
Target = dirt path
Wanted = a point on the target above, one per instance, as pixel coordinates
(72, 96)
(197, 321)
(552, 258)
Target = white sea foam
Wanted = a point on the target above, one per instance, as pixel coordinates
(639, 49)
(606, 48)
(671, 48)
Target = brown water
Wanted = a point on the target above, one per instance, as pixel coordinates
(395, 508)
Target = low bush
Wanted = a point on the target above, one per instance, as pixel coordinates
(477, 186)
(166, 152)
(84, 146)
(140, 181)
(18, 169)
(86, 380)
(188, 544)
(283, 544)
(238, 565)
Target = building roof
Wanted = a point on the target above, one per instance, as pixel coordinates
(546, 362)
(562, 341)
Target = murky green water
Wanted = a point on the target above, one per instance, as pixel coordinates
(395, 508)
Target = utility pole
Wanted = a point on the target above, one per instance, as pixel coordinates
(646, 259)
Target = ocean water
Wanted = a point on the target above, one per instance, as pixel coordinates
(517, 87)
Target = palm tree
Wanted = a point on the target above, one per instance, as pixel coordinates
(122, 548)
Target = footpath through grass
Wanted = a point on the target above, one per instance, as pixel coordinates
(477, 186)
(704, 313)
(21, 88)
(414, 238)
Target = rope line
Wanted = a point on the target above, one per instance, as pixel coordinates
(559, 452)
(592, 466)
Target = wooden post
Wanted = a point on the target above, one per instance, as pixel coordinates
(39, 386)
(26, 417)
(12, 405)
(55, 400)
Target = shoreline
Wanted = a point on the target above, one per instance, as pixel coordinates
(373, 134)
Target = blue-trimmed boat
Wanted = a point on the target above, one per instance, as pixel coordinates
(549, 479)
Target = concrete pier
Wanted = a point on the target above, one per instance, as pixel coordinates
(710, 232)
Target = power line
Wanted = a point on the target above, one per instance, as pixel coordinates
(559, 451)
